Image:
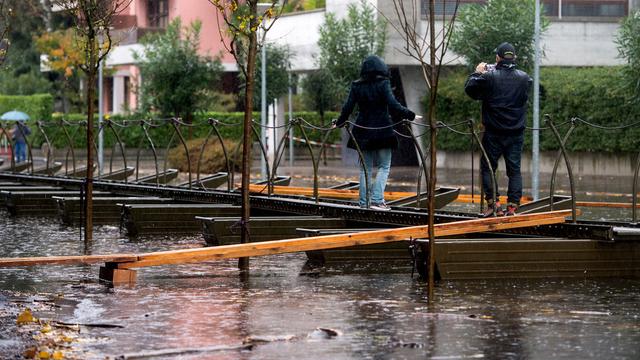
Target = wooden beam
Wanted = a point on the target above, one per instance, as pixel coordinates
(606, 204)
(129, 261)
(467, 198)
(324, 192)
(342, 240)
(66, 260)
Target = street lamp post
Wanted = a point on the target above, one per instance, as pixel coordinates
(100, 111)
(263, 104)
(262, 7)
(535, 143)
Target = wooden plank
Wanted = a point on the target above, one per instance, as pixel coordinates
(467, 198)
(335, 241)
(606, 204)
(66, 260)
(324, 192)
(129, 261)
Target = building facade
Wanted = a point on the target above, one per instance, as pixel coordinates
(581, 33)
(145, 16)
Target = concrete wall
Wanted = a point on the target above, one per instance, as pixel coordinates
(582, 163)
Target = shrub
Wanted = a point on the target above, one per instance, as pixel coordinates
(592, 94)
(213, 159)
(132, 136)
(38, 106)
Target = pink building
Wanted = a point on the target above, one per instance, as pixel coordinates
(140, 18)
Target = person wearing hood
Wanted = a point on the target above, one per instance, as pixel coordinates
(504, 92)
(373, 129)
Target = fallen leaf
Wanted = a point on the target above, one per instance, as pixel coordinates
(30, 353)
(44, 355)
(45, 328)
(26, 317)
(57, 355)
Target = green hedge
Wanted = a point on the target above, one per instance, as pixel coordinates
(592, 94)
(132, 136)
(38, 107)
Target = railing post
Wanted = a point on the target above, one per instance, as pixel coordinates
(494, 183)
(567, 163)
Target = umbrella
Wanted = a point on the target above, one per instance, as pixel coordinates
(14, 116)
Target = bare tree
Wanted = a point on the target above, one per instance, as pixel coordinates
(428, 47)
(5, 27)
(239, 31)
(93, 21)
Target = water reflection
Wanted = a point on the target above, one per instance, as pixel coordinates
(380, 311)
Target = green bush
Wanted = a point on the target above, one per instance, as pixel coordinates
(38, 106)
(162, 136)
(213, 159)
(592, 94)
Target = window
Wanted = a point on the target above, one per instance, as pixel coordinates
(447, 7)
(158, 13)
(585, 8)
(556, 8)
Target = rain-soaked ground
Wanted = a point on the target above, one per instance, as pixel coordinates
(370, 311)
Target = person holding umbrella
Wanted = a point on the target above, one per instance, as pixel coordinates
(19, 133)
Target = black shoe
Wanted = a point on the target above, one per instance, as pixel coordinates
(488, 212)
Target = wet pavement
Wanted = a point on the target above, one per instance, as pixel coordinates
(377, 311)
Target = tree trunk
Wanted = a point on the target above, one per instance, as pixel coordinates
(243, 263)
(433, 158)
(91, 93)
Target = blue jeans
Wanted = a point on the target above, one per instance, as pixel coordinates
(20, 151)
(376, 188)
(509, 147)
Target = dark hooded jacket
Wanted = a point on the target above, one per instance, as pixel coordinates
(504, 93)
(372, 93)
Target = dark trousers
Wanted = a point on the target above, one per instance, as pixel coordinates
(509, 147)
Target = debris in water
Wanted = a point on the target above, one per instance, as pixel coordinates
(324, 333)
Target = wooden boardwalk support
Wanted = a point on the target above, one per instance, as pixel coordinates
(467, 198)
(324, 192)
(163, 177)
(208, 182)
(53, 168)
(129, 261)
(36, 203)
(106, 210)
(119, 174)
(221, 230)
(141, 219)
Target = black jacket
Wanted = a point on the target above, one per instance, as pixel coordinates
(372, 93)
(504, 93)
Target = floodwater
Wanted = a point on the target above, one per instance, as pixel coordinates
(377, 312)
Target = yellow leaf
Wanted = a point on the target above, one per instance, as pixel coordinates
(57, 355)
(25, 317)
(44, 355)
(66, 338)
(45, 329)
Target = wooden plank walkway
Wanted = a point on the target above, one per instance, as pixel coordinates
(129, 261)
(324, 192)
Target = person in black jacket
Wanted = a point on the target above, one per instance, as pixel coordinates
(504, 92)
(373, 129)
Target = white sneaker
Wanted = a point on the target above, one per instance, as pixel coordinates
(380, 207)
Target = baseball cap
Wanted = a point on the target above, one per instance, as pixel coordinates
(506, 51)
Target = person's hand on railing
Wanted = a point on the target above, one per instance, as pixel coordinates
(334, 123)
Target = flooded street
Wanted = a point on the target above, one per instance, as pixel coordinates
(378, 312)
(369, 311)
